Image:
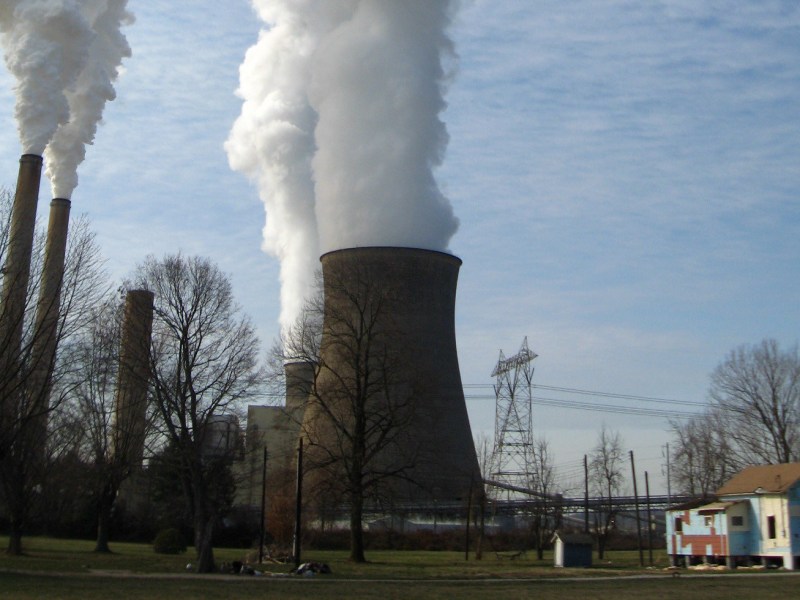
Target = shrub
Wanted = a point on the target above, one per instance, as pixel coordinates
(169, 541)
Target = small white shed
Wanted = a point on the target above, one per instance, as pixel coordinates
(572, 550)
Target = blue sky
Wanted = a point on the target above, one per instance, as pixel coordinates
(626, 177)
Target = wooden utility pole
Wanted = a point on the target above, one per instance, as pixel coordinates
(298, 505)
(585, 494)
(469, 515)
(263, 506)
(649, 519)
(636, 502)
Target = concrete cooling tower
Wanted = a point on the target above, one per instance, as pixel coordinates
(389, 335)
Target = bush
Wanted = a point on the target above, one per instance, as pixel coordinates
(169, 541)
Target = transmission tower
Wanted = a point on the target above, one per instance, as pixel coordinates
(512, 456)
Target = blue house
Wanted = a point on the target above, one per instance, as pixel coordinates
(755, 518)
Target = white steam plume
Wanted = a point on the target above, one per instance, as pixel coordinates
(87, 98)
(377, 86)
(45, 44)
(272, 141)
(340, 128)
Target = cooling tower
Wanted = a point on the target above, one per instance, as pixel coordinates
(389, 333)
(134, 377)
(18, 261)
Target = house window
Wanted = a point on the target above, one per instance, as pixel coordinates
(708, 520)
(678, 525)
(737, 521)
(771, 527)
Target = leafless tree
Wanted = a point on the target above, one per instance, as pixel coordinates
(606, 464)
(547, 508)
(757, 388)
(702, 458)
(108, 397)
(361, 403)
(26, 399)
(204, 363)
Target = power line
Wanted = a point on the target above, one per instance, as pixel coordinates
(597, 393)
(607, 408)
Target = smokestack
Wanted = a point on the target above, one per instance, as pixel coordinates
(134, 377)
(47, 309)
(17, 268)
(45, 340)
(299, 380)
(415, 291)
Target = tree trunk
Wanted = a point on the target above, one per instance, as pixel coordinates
(14, 540)
(103, 519)
(204, 534)
(17, 516)
(356, 529)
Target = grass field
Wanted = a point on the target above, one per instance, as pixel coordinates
(69, 569)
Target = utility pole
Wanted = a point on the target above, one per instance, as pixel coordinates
(469, 515)
(636, 502)
(649, 519)
(298, 505)
(669, 488)
(585, 494)
(263, 506)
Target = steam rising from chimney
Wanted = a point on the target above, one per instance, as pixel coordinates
(64, 55)
(88, 97)
(340, 129)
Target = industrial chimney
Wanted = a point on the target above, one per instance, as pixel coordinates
(389, 325)
(299, 381)
(45, 340)
(17, 268)
(134, 378)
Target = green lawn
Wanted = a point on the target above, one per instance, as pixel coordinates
(69, 569)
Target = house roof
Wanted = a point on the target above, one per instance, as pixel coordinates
(691, 504)
(717, 507)
(763, 478)
(578, 539)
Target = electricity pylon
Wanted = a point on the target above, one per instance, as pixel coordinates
(512, 456)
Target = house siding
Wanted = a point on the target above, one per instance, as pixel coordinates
(742, 529)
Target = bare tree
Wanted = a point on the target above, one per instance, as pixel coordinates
(30, 390)
(204, 363)
(547, 508)
(758, 389)
(702, 459)
(606, 464)
(361, 403)
(108, 397)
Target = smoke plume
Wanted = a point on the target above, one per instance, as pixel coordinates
(87, 98)
(64, 55)
(341, 129)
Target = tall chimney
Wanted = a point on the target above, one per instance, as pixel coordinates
(17, 268)
(134, 377)
(411, 293)
(299, 380)
(45, 340)
(16, 273)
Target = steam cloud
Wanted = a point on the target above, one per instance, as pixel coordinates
(340, 128)
(65, 55)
